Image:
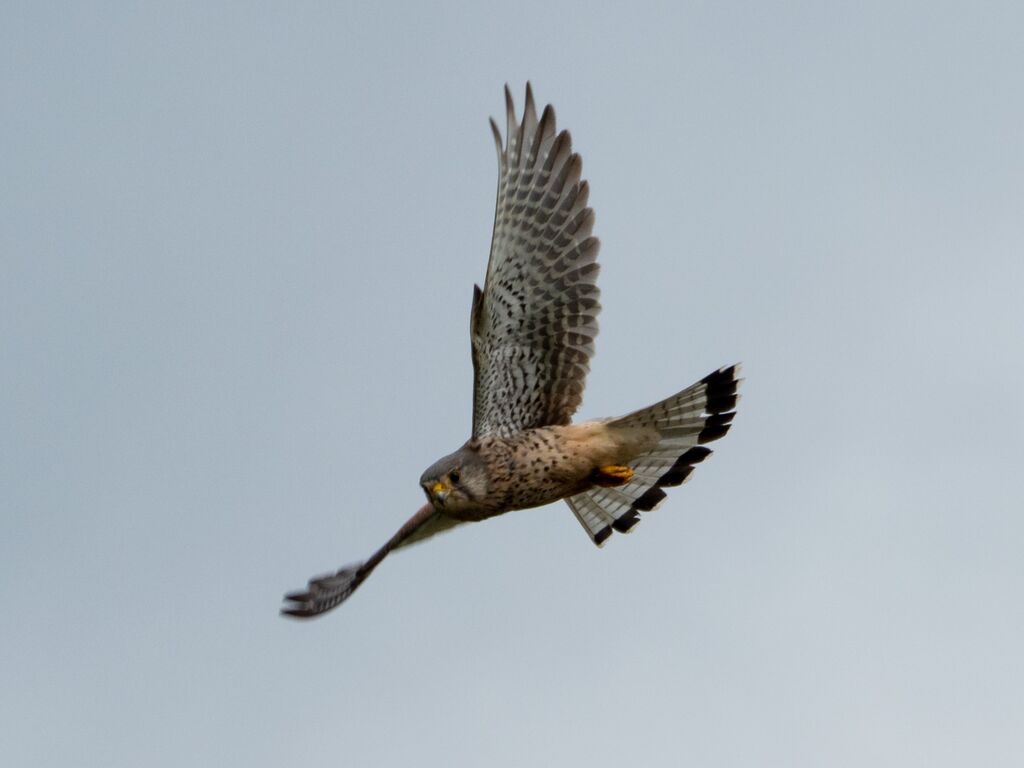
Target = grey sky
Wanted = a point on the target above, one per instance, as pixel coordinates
(237, 249)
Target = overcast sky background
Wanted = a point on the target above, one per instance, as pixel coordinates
(238, 245)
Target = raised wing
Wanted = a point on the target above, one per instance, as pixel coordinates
(332, 589)
(533, 326)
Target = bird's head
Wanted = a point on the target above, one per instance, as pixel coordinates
(456, 482)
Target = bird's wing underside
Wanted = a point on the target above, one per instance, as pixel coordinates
(533, 326)
(332, 589)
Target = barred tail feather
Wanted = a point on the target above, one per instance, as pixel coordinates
(686, 421)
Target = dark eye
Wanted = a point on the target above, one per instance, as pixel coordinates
(454, 476)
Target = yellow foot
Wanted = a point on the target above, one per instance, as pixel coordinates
(612, 475)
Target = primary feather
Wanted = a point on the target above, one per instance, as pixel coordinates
(534, 323)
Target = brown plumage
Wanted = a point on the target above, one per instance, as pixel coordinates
(532, 330)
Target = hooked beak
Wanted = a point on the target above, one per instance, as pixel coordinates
(439, 492)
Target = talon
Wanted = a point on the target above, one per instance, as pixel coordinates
(612, 475)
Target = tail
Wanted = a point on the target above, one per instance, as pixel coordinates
(686, 421)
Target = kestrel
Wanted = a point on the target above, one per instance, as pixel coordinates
(532, 330)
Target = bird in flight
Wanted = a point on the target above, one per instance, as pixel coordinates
(532, 330)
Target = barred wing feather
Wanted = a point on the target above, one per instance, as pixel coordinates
(533, 325)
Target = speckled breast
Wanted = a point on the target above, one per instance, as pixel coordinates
(535, 467)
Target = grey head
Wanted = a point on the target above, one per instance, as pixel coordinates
(458, 482)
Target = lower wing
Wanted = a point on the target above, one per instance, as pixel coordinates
(332, 589)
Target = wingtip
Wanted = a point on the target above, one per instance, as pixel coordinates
(297, 605)
(546, 127)
(497, 137)
(511, 127)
